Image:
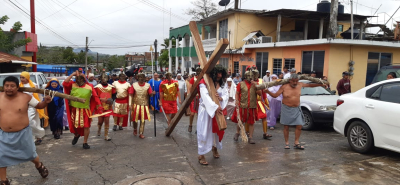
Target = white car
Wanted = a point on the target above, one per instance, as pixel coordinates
(370, 117)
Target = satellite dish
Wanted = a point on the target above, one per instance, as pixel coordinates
(224, 2)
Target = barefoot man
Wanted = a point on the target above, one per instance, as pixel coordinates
(291, 114)
(16, 141)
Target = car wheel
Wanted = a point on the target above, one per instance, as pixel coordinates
(308, 120)
(360, 137)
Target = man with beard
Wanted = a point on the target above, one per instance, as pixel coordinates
(105, 92)
(209, 136)
(169, 91)
(139, 97)
(79, 113)
(291, 114)
(16, 141)
(246, 101)
(194, 105)
(121, 106)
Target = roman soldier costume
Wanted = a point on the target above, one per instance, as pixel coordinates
(140, 93)
(170, 88)
(121, 107)
(105, 92)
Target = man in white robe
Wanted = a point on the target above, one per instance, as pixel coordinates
(209, 137)
(182, 88)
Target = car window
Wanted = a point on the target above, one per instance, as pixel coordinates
(382, 74)
(390, 93)
(377, 93)
(41, 82)
(314, 91)
(43, 78)
(2, 77)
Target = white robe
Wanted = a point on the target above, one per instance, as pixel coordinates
(207, 108)
(34, 119)
(182, 91)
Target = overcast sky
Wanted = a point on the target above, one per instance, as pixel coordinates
(136, 23)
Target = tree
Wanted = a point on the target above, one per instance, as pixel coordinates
(69, 55)
(163, 60)
(115, 61)
(202, 9)
(166, 43)
(6, 38)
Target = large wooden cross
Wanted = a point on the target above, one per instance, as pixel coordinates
(42, 91)
(206, 69)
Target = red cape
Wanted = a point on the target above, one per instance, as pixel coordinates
(94, 100)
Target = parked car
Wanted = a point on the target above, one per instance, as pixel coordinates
(36, 77)
(384, 71)
(370, 117)
(318, 106)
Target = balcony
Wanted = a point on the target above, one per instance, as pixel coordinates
(209, 44)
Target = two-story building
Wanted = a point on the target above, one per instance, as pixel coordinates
(296, 39)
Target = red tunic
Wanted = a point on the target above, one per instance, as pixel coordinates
(107, 95)
(122, 100)
(194, 105)
(170, 107)
(94, 100)
(139, 112)
(246, 115)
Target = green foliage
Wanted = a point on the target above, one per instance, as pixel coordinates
(163, 60)
(202, 9)
(166, 43)
(114, 61)
(6, 38)
(61, 55)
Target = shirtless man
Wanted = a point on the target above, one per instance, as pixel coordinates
(291, 114)
(16, 141)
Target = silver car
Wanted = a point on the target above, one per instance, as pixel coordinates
(318, 105)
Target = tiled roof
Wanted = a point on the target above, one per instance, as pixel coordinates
(7, 58)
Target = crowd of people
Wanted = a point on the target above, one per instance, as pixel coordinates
(120, 96)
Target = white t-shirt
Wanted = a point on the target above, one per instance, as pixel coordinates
(287, 76)
(267, 79)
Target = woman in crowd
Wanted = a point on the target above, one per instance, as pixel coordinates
(274, 105)
(55, 109)
(231, 102)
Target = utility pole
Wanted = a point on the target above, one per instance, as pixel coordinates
(33, 30)
(352, 21)
(87, 49)
(333, 20)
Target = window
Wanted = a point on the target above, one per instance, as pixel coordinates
(223, 29)
(289, 63)
(262, 62)
(377, 93)
(313, 61)
(390, 93)
(40, 82)
(340, 28)
(224, 62)
(374, 63)
(236, 67)
(277, 66)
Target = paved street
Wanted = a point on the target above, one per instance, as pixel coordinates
(327, 159)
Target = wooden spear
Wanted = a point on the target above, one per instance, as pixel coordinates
(285, 81)
(41, 91)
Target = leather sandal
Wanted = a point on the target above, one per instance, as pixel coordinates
(141, 136)
(215, 152)
(190, 129)
(236, 137)
(43, 170)
(6, 182)
(135, 132)
(202, 160)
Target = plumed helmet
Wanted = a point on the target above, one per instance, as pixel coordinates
(103, 75)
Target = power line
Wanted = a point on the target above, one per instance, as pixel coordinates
(59, 10)
(91, 23)
(159, 8)
(42, 24)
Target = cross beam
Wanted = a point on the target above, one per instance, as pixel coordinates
(206, 69)
(41, 91)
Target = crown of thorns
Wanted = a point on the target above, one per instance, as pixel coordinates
(219, 69)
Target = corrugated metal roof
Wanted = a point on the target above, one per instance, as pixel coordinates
(7, 58)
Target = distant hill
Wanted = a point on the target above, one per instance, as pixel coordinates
(78, 50)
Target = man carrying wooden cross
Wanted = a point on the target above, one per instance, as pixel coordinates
(16, 141)
(79, 113)
(209, 136)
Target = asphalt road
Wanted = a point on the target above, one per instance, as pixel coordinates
(126, 159)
